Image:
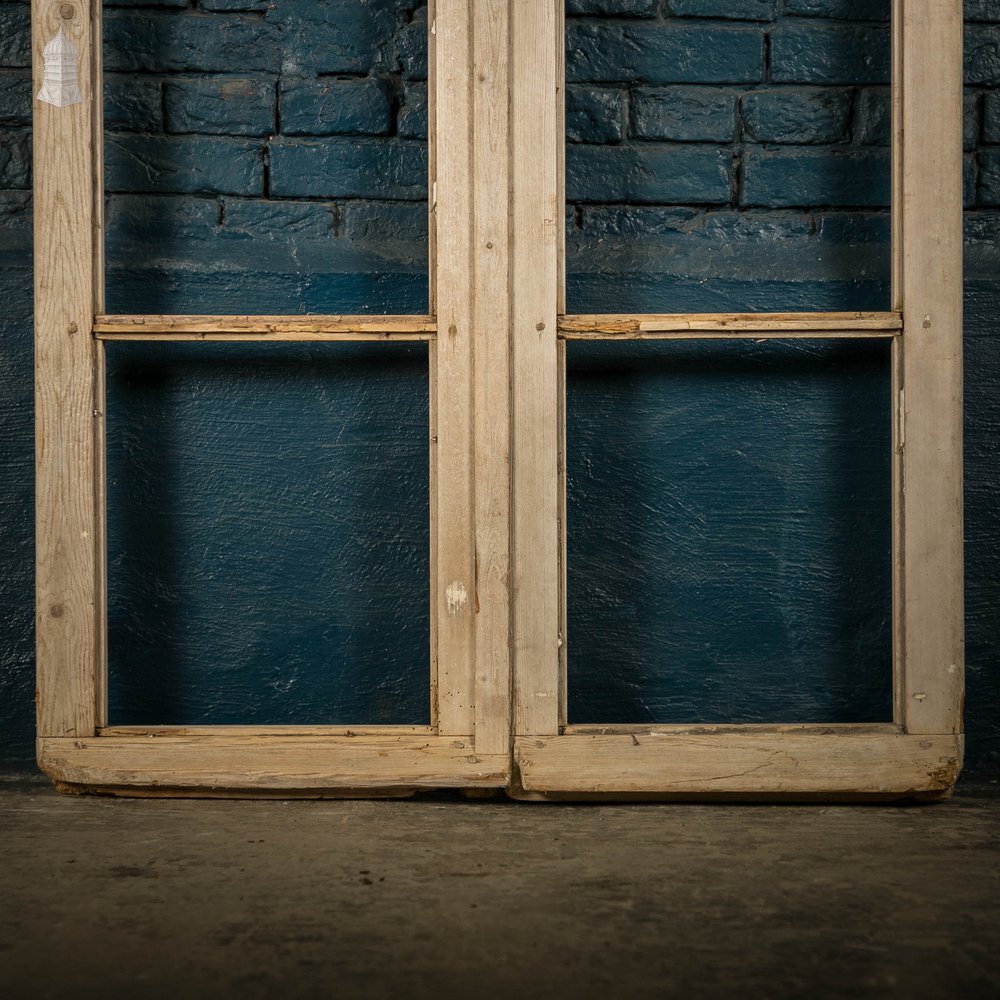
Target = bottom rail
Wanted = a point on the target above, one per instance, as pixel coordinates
(269, 764)
(736, 765)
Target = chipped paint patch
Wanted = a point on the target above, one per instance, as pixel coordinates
(456, 597)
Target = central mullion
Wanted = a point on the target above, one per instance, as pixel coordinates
(492, 378)
(453, 538)
(537, 234)
(471, 370)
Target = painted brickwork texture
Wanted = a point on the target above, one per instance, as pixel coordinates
(272, 156)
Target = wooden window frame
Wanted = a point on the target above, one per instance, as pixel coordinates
(467, 744)
(496, 343)
(919, 753)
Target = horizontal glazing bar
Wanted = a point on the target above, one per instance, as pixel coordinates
(260, 328)
(720, 326)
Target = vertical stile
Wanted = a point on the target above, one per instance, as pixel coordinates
(100, 538)
(455, 534)
(537, 218)
(896, 98)
(68, 521)
(432, 482)
(896, 361)
(897, 350)
(432, 144)
(933, 626)
(100, 369)
(97, 125)
(561, 349)
(432, 451)
(491, 414)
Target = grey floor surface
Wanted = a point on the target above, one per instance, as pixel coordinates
(446, 898)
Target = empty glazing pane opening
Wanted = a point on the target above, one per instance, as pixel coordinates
(266, 158)
(268, 534)
(729, 532)
(728, 156)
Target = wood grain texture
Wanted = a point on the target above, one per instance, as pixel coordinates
(658, 729)
(264, 731)
(454, 503)
(100, 375)
(702, 326)
(896, 390)
(238, 763)
(932, 557)
(432, 368)
(433, 591)
(250, 328)
(896, 204)
(101, 680)
(537, 220)
(484, 299)
(896, 397)
(737, 764)
(491, 416)
(68, 521)
(561, 361)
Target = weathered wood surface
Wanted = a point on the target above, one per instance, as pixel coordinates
(491, 348)
(250, 328)
(469, 430)
(738, 764)
(99, 230)
(156, 732)
(432, 360)
(933, 626)
(744, 729)
(238, 763)
(702, 326)
(68, 517)
(454, 535)
(537, 220)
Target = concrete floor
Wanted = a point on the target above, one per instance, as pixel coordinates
(448, 898)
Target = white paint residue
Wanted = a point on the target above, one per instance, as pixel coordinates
(60, 86)
(457, 597)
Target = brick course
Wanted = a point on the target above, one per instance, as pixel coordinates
(674, 102)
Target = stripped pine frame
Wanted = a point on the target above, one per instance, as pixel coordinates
(497, 344)
(920, 752)
(467, 744)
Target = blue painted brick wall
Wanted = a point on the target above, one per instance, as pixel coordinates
(722, 154)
